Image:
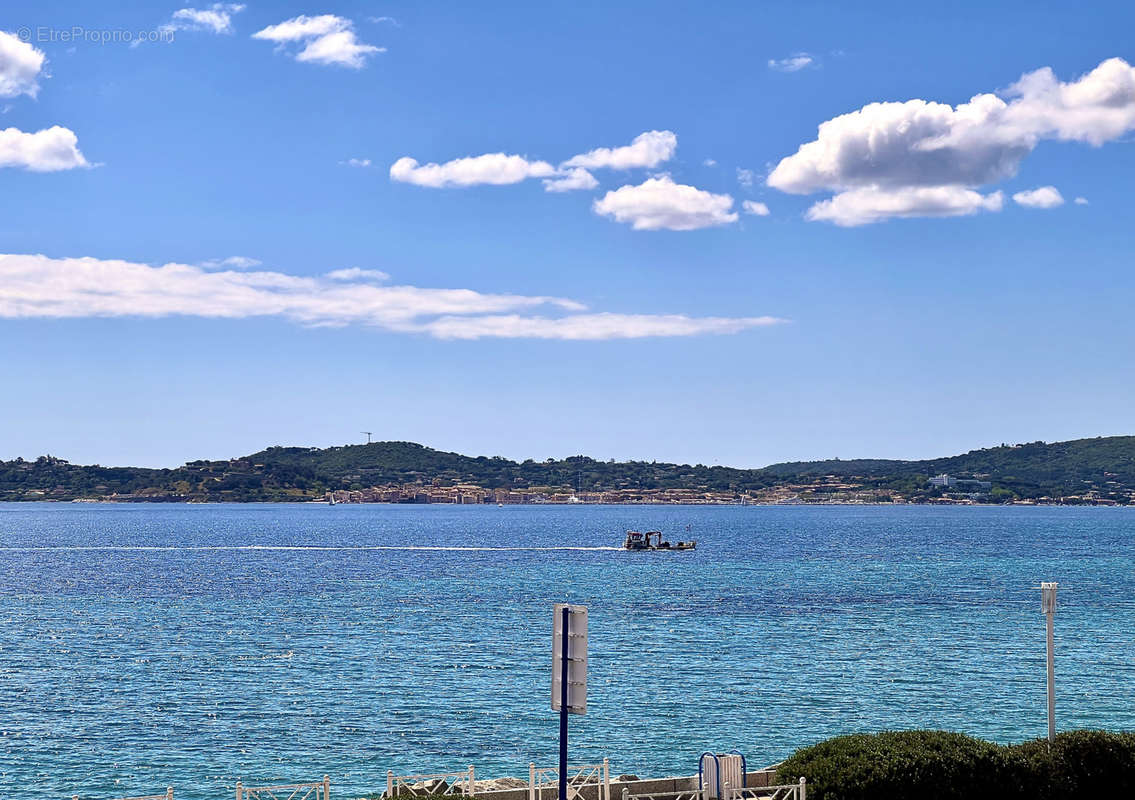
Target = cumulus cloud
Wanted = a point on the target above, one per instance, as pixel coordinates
(20, 66)
(232, 262)
(864, 206)
(918, 144)
(217, 18)
(326, 39)
(357, 274)
(646, 150)
(49, 150)
(36, 286)
(793, 63)
(1081, 201)
(571, 180)
(491, 168)
(659, 203)
(755, 208)
(1041, 197)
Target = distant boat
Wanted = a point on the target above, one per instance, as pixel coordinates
(652, 540)
(330, 499)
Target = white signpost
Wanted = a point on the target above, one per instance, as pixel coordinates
(1048, 606)
(569, 672)
(576, 657)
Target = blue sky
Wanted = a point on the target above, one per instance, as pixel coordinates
(909, 293)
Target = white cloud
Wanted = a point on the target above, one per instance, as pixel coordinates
(1081, 201)
(20, 66)
(755, 208)
(358, 274)
(327, 39)
(232, 262)
(1042, 197)
(884, 147)
(491, 168)
(793, 63)
(746, 177)
(646, 150)
(659, 203)
(570, 181)
(36, 286)
(356, 162)
(217, 18)
(591, 327)
(49, 150)
(388, 20)
(872, 204)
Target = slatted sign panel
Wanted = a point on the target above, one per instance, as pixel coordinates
(577, 657)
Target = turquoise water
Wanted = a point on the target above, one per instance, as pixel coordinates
(146, 646)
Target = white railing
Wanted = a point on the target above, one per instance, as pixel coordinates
(689, 794)
(461, 783)
(541, 778)
(320, 790)
(787, 791)
(166, 795)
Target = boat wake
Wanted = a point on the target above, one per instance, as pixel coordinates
(289, 547)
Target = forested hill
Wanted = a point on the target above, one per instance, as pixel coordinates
(1105, 466)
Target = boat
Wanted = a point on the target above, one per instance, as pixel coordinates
(652, 540)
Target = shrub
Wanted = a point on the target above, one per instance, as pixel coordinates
(937, 765)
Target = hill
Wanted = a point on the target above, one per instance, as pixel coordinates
(1084, 469)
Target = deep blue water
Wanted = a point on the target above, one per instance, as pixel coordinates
(146, 646)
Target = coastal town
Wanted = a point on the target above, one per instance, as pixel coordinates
(830, 490)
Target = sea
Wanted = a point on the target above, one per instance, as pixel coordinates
(145, 646)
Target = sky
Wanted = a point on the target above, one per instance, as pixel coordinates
(734, 233)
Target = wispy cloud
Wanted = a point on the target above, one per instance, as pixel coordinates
(36, 286)
(326, 39)
(217, 18)
(232, 262)
(793, 63)
(356, 162)
(1081, 201)
(754, 208)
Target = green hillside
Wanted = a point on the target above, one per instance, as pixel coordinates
(1103, 466)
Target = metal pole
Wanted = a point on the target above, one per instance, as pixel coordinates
(564, 704)
(1048, 600)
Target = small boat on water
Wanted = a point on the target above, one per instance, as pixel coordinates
(652, 540)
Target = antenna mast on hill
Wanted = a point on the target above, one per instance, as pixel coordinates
(368, 433)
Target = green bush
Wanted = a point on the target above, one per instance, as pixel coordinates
(938, 765)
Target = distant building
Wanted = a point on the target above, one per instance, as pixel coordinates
(944, 481)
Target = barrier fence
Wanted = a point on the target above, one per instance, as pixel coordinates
(455, 783)
(320, 790)
(787, 791)
(541, 778)
(167, 795)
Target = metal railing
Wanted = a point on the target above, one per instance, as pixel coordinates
(541, 778)
(688, 794)
(787, 791)
(320, 790)
(456, 783)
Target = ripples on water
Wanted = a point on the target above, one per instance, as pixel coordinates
(143, 646)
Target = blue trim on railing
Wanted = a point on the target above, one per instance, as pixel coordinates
(717, 764)
(744, 768)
